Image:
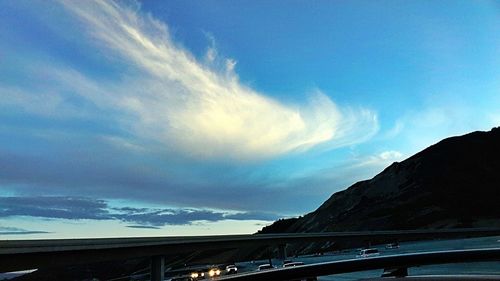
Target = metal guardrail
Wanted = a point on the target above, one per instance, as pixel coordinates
(28, 254)
(401, 261)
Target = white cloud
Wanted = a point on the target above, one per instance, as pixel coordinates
(211, 54)
(193, 107)
(390, 155)
(230, 65)
(380, 160)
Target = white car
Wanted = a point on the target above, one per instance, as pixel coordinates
(265, 267)
(291, 264)
(231, 269)
(365, 253)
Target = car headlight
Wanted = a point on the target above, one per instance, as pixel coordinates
(194, 275)
(217, 272)
(211, 273)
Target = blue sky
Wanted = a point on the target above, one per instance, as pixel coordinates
(188, 117)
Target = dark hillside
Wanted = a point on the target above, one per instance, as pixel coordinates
(454, 183)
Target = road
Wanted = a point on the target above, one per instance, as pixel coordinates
(405, 247)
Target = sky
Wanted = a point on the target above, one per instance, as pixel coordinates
(150, 118)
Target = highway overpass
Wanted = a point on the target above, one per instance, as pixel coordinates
(28, 254)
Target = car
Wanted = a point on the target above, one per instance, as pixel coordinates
(291, 264)
(231, 269)
(265, 266)
(365, 253)
(196, 275)
(394, 245)
(214, 272)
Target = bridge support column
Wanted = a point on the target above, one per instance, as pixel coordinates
(282, 252)
(157, 268)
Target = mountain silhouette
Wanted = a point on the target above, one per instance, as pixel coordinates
(454, 183)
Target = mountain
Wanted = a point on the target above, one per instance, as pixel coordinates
(454, 183)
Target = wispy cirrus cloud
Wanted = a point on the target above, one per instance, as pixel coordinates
(196, 107)
(109, 104)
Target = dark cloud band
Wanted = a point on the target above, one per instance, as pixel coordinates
(78, 208)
